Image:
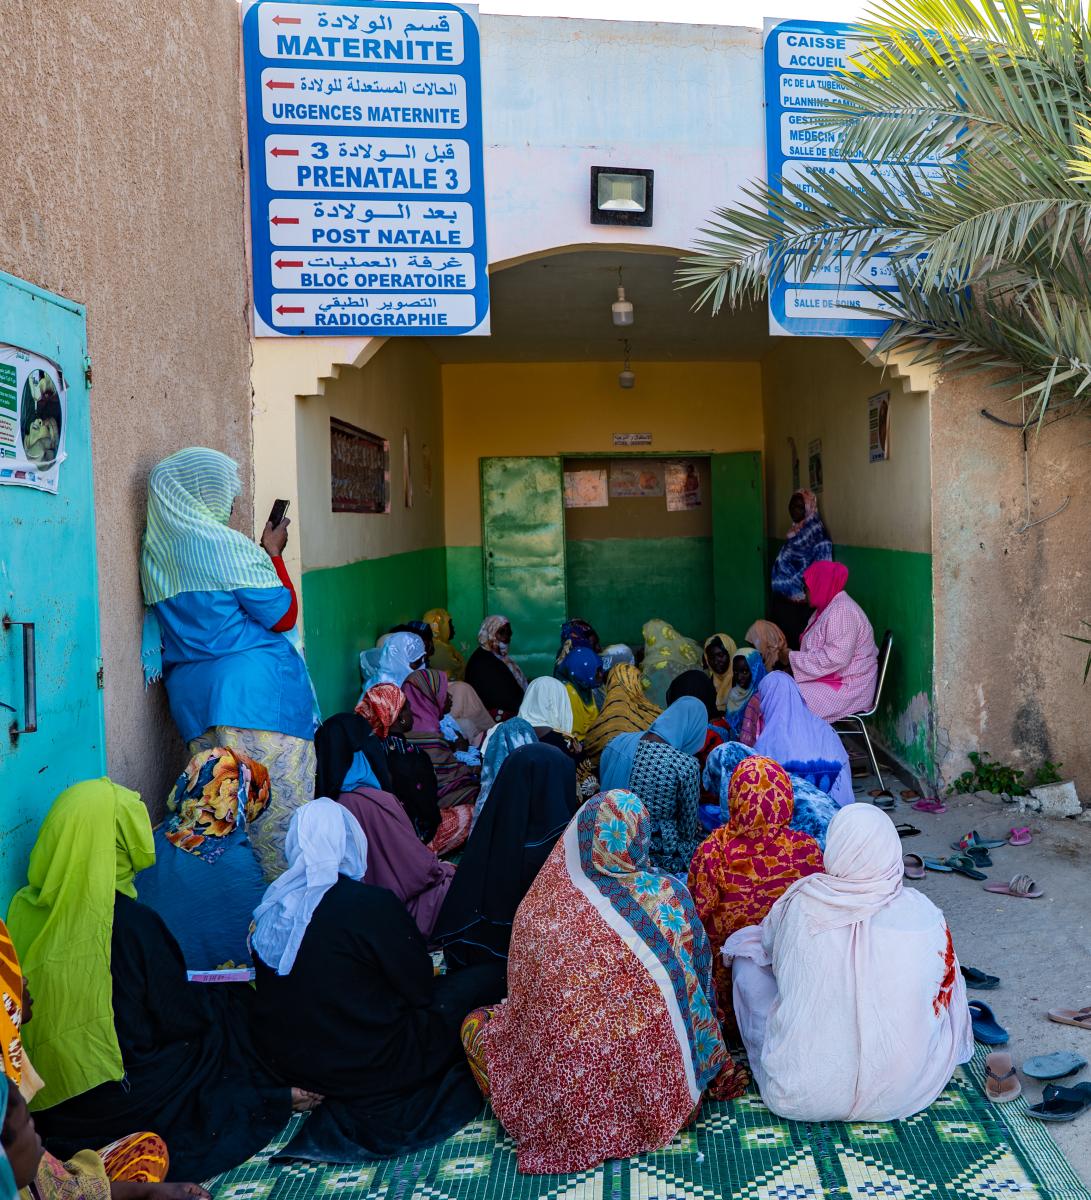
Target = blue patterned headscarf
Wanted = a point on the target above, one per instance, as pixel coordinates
(657, 915)
(684, 725)
(502, 740)
(813, 810)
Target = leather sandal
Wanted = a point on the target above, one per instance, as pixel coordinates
(1001, 1081)
(1080, 1017)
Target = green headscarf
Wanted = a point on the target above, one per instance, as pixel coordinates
(94, 839)
(187, 545)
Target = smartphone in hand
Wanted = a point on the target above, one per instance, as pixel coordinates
(276, 513)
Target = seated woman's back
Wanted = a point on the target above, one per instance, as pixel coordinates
(869, 1018)
(608, 1039)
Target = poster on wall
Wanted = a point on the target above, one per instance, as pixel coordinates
(637, 479)
(814, 465)
(683, 485)
(33, 419)
(878, 424)
(586, 489)
(407, 469)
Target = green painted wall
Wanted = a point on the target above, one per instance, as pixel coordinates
(894, 588)
(619, 583)
(346, 608)
(615, 583)
(465, 594)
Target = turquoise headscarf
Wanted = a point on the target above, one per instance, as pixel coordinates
(188, 546)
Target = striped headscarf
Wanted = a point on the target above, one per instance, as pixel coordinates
(187, 545)
(626, 710)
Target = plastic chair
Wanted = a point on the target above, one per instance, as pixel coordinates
(855, 722)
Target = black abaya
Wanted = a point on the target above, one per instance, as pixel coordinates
(191, 1072)
(496, 686)
(336, 743)
(530, 805)
(362, 1019)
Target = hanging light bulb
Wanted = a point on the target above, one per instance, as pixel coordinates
(626, 376)
(622, 309)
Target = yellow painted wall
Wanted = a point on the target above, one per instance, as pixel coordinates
(819, 388)
(571, 408)
(398, 390)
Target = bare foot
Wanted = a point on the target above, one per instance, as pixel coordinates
(304, 1101)
(158, 1191)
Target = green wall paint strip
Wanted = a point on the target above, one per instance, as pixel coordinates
(894, 588)
(346, 608)
(619, 583)
(465, 595)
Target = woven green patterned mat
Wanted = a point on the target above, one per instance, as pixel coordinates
(962, 1146)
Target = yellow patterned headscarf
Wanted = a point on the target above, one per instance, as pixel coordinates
(666, 655)
(723, 682)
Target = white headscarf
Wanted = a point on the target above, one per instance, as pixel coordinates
(547, 705)
(396, 660)
(863, 872)
(617, 653)
(324, 840)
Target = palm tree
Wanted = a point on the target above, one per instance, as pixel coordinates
(990, 246)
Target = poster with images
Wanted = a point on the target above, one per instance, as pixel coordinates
(586, 488)
(407, 468)
(814, 465)
(636, 479)
(683, 485)
(878, 424)
(33, 419)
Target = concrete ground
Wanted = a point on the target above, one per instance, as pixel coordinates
(1041, 949)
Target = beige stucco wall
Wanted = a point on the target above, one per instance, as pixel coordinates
(1007, 680)
(819, 388)
(120, 128)
(397, 392)
(575, 408)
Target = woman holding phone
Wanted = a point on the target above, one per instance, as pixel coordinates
(219, 630)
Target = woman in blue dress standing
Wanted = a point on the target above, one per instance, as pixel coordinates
(218, 629)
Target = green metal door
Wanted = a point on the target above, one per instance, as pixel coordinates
(738, 542)
(50, 699)
(522, 515)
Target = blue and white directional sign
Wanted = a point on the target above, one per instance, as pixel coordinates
(367, 199)
(802, 59)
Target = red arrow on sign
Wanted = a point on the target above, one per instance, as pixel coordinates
(282, 309)
(279, 83)
(288, 262)
(284, 220)
(277, 152)
(287, 21)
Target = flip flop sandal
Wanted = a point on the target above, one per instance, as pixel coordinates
(910, 794)
(1001, 1081)
(987, 1029)
(1062, 1104)
(1080, 1017)
(1022, 886)
(884, 801)
(963, 864)
(973, 841)
(1020, 837)
(933, 864)
(906, 830)
(981, 857)
(1058, 1065)
(978, 979)
(913, 866)
(931, 806)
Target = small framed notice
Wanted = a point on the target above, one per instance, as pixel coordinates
(878, 425)
(632, 439)
(359, 469)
